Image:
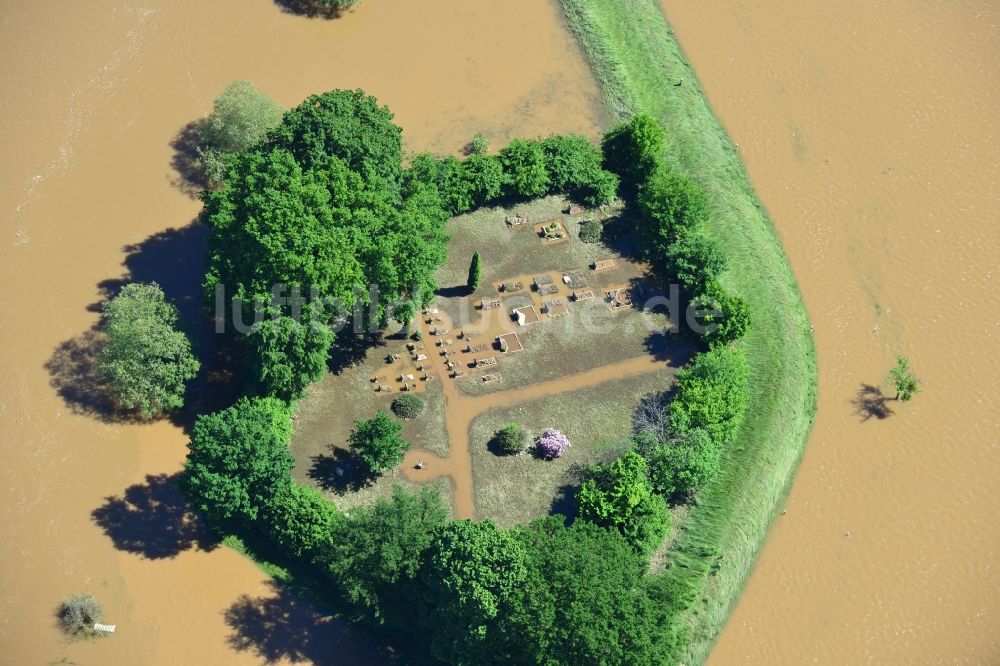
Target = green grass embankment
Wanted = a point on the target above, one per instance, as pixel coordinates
(638, 63)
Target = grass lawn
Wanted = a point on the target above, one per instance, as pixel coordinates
(638, 63)
(516, 489)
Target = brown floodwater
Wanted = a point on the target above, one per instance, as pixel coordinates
(871, 132)
(94, 95)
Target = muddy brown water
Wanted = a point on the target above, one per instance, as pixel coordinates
(94, 93)
(871, 132)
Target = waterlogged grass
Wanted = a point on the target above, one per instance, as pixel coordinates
(641, 69)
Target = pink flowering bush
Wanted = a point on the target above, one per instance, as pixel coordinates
(552, 444)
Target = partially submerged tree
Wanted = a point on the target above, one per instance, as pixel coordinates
(241, 116)
(475, 272)
(78, 613)
(147, 359)
(903, 380)
(378, 442)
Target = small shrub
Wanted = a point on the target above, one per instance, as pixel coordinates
(590, 231)
(511, 439)
(418, 335)
(552, 444)
(79, 613)
(407, 406)
(478, 145)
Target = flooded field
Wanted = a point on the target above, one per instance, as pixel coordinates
(94, 95)
(872, 134)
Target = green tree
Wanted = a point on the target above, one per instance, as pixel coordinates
(299, 520)
(584, 600)
(524, 168)
(348, 124)
(574, 168)
(713, 394)
(378, 442)
(146, 359)
(476, 569)
(670, 205)
(694, 260)
(726, 317)
(511, 439)
(285, 356)
(903, 380)
(241, 116)
(475, 272)
(619, 496)
(681, 464)
(377, 551)
(633, 150)
(238, 458)
(484, 174)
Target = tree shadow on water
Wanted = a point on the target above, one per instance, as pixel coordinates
(869, 402)
(73, 374)
(152, 519)
(186, 161)
(284, 627)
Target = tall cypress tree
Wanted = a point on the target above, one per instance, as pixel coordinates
(475, 272)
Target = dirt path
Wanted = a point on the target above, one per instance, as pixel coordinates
(462, 410)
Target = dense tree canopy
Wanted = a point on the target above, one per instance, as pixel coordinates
(146, 359)
(377, 551)
(285, 355)
(713, 393)
(619, 496)
(680, 463)
(524, 167)
(299, 520)
(238, 458)
(317, 209)
(726, 317)
(694, 260)
(347, 124)
(670, 204)
(584, 600)
(633, 150)
(476, 569)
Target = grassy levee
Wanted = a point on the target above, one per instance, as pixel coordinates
(641, 69)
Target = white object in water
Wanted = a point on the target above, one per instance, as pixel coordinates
(106, 628)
